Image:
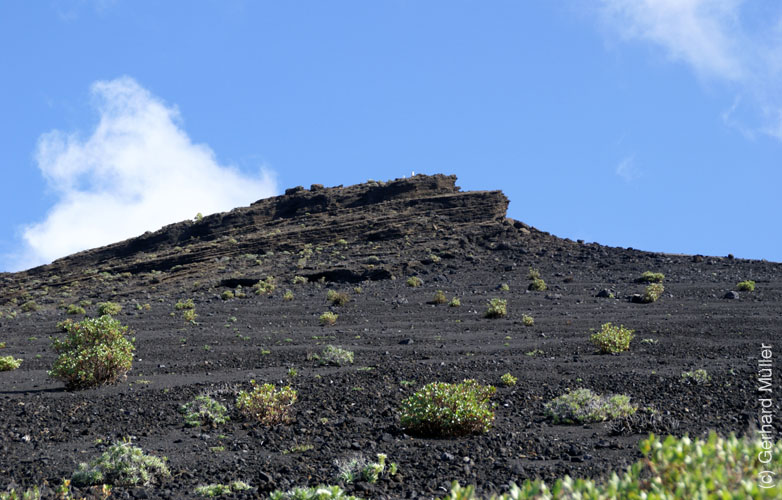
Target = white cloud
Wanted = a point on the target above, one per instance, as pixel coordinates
(628, 170)
(137, 172)
(734, 42)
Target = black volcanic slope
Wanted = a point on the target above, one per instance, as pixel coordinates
(366, 240)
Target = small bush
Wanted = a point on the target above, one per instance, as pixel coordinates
(184, 305)
(533, 274)
(504, 287)
(328, 318)
(699, 376)
(537, 285)
(76, 309)
(267, 404)
(299, 280)
(8, 363)
(227, 295)
(317, 493)
(498, 308)
(287, 296)
(121, 465)
(455, 302)
(265, 286)
(414, 281)
(205, 411)
(360, 468)
(216, 490)
(439, 297)
(612, 339)
(94, 352)
(508, 380)
(29, 306)
(652, 293)
(440, 409)
(650, 277)
(527, 320)
(644, 421)
(108, 308)
(189, 315)
(746, 286)
(335, 356)
(337, 298)
(583, 406)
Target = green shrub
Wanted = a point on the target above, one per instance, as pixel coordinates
(527, 320)
(650, 277)
(652, 293)
(265, 286)
(184, 305)
(699, 376)
(508, 380)
(94, 352)
(612, 339)
(337, 298)
(359, 468)
(33, 493)
(328, 318)
(189, 315)
(75, 309)
(108, 308)
(746, 286)
(448, 410)
(504, 287)
(29, 306)
(121, 465)
(498, 308)
(227, 295)
(205, 411)
(414, 281)
(533, 274)
(583, 406)
(439, 297)
(537, 285)
(267, 404)
(317, 493)
(299, 280)
(335, 356)
(672, 468)
(216, 490)
(455, 302)
(8, 363)
(287, 296)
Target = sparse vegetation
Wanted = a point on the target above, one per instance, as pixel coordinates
(108, 308)
(216, 490)
(359, 468)
(508, 380)
(316, 493)
(8, 363)
(498, 308)
(533, 274)
(337, 298)
(699, 376)
(184, 305)
(29, 306)
(504, 287)
(652, 293)
(582, 406)
(299, 280)
(75, 309)
(650, 277)
(537, 285)
(527, 320)
(335, 356)
(328, 318)
(441, 409)
(746, 286)
(227, 295)
(439, 297)
(455, 302)
(612, 339)
(95, 352)
(204, 411)
(267, 404)
(265, 286)
(287, 296)
(121, 465)
(414, 281)
(189, 315)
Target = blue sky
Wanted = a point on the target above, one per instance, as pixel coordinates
(655, 124)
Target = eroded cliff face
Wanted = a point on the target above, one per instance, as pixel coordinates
(367, 231)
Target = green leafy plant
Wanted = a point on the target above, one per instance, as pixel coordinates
(414, 281)
(121, 465)
(508, 380)
(265, 286)
(299, 280)
(455, 302)
(184, 305)
(498, 308)
(108, 308)
(533, 274)
(359, 468)
(29, 306)
(189, 315)
(287, 296)
(699, 376)
(612, 339)
(227, 295)
(95, 352)
(204, 411)
(537, 285)
(267, 404)
(652, 293)
(335, 356)
(75, 309)
(439, 297)
(443, 409)
(582, 406)
(328, 318)
(504, 287)
(527, 320)
(650, 277)
(321, 492)
(8, 363)
(746, 286)
(217, 490)
(337, 298)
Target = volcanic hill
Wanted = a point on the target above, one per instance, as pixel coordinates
(366, 241)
